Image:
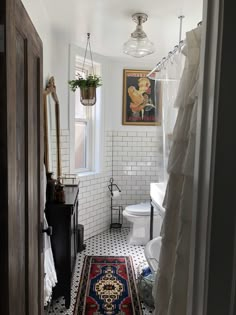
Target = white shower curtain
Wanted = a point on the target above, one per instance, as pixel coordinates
(170, 288)
(169, 75)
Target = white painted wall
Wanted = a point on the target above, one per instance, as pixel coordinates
(60, 70)
(112, 76)
(94, 187)
(41, 21)
(56, 63)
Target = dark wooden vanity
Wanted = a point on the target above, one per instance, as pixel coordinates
(63, 218)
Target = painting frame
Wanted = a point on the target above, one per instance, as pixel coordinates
(142, 104)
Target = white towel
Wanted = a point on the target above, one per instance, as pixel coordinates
(50, 276)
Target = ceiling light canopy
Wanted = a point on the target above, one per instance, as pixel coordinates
(138, 44)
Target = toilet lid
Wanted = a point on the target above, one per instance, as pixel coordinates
(139, 209)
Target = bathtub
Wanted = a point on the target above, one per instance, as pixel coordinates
(152, 253)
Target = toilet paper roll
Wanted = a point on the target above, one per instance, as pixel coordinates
(116, 194)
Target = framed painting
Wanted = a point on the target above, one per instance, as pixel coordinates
(141, 99)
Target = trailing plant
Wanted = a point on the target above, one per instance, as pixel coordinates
(90, 81)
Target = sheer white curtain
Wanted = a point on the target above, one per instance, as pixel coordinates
(170, 288)
(169, 76)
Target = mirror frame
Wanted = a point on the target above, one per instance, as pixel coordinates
(51, 90)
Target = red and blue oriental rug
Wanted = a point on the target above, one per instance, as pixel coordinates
(108, 287)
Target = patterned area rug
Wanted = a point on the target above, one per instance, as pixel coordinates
(108, 287)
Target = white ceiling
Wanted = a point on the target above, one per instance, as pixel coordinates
(110, 23)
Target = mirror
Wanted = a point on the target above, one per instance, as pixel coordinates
(52, 148)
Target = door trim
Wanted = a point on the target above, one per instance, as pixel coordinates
(216, 91)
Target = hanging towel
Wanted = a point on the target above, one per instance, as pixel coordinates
(50, 277)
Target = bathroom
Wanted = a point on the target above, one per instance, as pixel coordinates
(103, 152)
(133, 155)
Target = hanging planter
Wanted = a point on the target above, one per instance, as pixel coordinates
(87, 85)
(88, 95)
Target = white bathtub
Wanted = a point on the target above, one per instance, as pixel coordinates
(152, 253)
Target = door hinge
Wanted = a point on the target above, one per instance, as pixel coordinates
(2, 38)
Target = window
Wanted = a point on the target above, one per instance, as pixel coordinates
(81, 130)
(83, 123)
(84, 118)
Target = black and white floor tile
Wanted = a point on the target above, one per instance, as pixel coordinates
(107, 243)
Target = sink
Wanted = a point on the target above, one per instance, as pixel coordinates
(157, 193)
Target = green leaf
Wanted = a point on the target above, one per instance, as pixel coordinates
(91, 80)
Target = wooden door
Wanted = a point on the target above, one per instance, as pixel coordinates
(21, 163)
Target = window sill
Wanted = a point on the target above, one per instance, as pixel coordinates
(89, 173)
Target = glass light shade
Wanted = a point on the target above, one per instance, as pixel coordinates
(138, 47)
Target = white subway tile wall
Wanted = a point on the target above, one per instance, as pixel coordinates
(94, 197)
(94, 204)
(136, 159)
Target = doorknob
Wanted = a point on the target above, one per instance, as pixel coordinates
(48, 230)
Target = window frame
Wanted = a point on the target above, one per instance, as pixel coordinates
(95, 113)
(90, 119)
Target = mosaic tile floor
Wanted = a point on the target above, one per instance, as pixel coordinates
(106, 243)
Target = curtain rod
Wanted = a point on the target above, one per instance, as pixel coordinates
(171, 53)
(165, 59)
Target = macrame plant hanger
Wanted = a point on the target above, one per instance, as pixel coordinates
(88, 93)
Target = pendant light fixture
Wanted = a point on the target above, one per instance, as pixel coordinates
(138, 44)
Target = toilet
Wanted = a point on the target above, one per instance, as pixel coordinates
(139, 217)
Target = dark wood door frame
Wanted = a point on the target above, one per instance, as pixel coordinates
(20, 51)
(213, 257)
